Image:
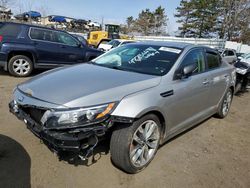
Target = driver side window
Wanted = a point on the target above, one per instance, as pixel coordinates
(195, 57)
(66, 39)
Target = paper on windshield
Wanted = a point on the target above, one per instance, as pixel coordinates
(147, 53)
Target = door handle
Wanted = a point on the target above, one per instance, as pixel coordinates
(62, 46)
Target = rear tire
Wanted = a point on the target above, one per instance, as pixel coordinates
(132, 148)
(20, 66)
(225, 104)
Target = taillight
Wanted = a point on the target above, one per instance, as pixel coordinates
(1, 38)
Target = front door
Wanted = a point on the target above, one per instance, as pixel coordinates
(71, 49)
(190, 94)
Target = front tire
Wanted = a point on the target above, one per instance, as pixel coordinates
(132, 148)
(225, 104)
(20, 66)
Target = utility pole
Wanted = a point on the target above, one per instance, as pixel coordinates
(102, 23)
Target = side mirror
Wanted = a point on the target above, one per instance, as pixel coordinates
(79, 45)
(186, 71)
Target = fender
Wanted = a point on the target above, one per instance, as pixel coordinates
(9, 48)
(135, 106)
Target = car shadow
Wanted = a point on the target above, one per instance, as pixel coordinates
(14, 164)
(103, 148)
(241, 93)
(186, 131)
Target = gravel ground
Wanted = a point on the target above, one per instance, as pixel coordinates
(215, 153)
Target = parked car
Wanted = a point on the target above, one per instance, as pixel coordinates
(29, 15)
(242, 76)
(24, 48)
(113, 44)
(94, 24)
(229, 55)
(239, 55)
(79, 25)
(143, 93)
(245, 58)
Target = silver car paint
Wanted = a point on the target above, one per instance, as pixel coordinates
(194, 99)
(87, 85)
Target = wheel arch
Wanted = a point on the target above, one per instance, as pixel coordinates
(232, 88)
(28, 54)
(161, 117)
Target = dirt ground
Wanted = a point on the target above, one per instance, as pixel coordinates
(215, 153)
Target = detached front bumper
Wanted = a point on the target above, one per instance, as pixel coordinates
(74, 140)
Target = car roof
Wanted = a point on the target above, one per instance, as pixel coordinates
(30, 25)
(180, 45)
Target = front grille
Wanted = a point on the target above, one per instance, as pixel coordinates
(35, 113)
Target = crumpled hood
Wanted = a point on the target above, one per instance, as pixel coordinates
(86, 85)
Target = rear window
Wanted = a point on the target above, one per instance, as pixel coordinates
(42, 34)
(213, 60)
(11, 30)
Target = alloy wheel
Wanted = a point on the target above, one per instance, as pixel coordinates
(227, 103)
(21, 67)
(144, 143)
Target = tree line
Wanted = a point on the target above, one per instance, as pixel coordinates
(147, 23)
(225, 19)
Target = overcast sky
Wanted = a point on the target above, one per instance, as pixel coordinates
(115, 11)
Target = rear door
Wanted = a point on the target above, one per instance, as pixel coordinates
(48, 51)
(218, 76)
(71, 49)
(190, 94)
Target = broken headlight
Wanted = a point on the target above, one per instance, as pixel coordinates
(76, 117)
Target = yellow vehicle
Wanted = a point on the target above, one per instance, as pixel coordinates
(111, 32)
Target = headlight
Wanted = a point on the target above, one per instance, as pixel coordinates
(76, 117)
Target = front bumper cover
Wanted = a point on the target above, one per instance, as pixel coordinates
(74, 140)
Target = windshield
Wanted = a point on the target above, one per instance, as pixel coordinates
(147, 59)
(246, 56)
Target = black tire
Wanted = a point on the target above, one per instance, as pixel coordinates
(221, 113)
(122, 142)
(238, 87)
(21, 58)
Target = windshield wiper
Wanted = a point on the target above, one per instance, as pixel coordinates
(117, 68)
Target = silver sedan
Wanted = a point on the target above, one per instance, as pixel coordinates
(143, 93)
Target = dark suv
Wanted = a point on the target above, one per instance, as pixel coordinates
(26, 47)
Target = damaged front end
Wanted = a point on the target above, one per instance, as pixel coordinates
(76, 130)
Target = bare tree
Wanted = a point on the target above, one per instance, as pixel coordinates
(6, 3)
(19, 7)
(233, 17)
(43, 9)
